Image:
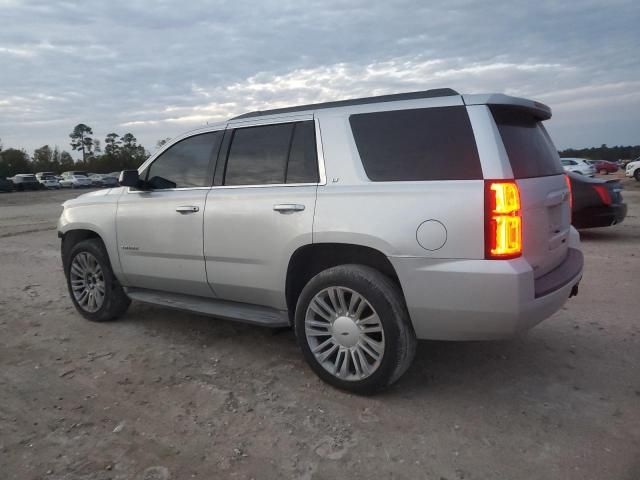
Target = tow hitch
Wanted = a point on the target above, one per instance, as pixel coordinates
(574, 290)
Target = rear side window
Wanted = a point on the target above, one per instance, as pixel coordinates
(185, 164)
(529, 147)
(303, 159)
(419, 144)
(273, 154)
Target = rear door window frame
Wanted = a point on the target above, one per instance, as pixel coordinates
(225, 148)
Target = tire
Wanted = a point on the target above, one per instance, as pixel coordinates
(636, 174)
(114, 301)
(363, 374)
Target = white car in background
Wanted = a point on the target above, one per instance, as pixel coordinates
(75, 180)
(633, 169)
(50, 182)
(579, 166)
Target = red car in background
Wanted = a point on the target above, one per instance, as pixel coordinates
(602, 166)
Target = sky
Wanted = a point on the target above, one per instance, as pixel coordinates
(159, 68)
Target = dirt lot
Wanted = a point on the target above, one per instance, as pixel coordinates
(161, 394)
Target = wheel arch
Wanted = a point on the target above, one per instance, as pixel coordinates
(309, 260)
(71, 236)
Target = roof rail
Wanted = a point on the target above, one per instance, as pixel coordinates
(436, 92)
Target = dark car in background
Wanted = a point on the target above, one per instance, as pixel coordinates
(6, 185)
(26, 181)
(604, 167)
(596, 202)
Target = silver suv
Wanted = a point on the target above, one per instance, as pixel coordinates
(363, 224)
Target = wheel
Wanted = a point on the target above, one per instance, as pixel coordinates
(353, 327)
(94, 289)
(636, 174)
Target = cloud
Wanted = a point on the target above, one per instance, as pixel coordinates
(160, 67)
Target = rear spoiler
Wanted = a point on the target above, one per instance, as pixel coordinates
(537, 109)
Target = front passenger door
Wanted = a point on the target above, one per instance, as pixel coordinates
(159, 228)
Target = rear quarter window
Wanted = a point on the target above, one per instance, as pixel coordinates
(530, 149)
(418, 144)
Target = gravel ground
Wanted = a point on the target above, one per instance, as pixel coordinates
(161, 394)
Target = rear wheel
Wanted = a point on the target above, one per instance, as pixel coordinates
(94, 289)
(353, 328)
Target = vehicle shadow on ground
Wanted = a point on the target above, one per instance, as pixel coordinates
(610, 234)
(439, 367)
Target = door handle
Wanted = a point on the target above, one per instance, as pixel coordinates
(288, 207)
(187, 209)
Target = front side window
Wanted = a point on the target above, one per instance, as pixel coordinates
(185, 164)
(273, 154)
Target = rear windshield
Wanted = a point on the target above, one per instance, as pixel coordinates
(418, 144)
(528, 145)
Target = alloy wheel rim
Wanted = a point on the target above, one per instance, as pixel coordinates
(344, 333)
(87, 282)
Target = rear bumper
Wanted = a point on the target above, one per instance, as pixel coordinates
(482, 299)
(593, 217)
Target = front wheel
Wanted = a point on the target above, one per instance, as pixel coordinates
(94, 289)
(636, 175)
(353, 328)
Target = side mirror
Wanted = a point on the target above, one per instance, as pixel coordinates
(129, 178)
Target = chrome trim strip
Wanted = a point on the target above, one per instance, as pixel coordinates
(322, 176)
(251, 122)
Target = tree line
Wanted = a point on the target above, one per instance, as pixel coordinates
(120, 153)
(124, 152)
(603, 152)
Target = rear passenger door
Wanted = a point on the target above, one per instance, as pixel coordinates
(260, 209)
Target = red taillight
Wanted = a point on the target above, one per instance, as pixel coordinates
(603, 193)
(503, 220)
(566, 177)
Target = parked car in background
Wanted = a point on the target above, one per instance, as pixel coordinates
(596, 202)
(41, 175)
(604, 167)
(6, 185)
(578, 165)
(109, 181)
(633, 169)
(26, 181)
(50, 182)
(75, 180)
(81, 173)
(96, 179)
(103, 180)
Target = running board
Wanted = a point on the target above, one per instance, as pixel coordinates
(242, 312)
